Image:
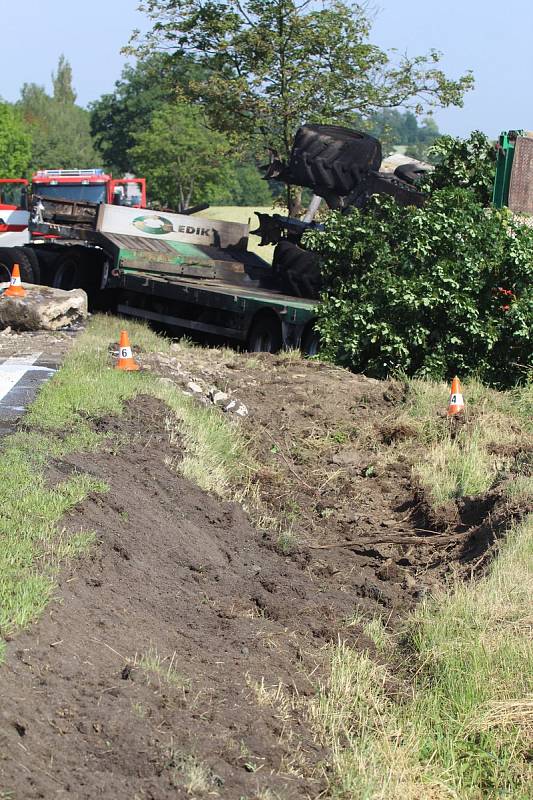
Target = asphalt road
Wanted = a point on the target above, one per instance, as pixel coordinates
(26, 361)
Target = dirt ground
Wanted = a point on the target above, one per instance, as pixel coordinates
(176, 658)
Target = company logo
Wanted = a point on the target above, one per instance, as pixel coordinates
(153, 224)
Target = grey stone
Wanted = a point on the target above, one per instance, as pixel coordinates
(217, 397)
(42, 308)
(236, 407)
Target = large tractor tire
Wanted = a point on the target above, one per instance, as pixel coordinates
(9, 256)
(331, 160)
(411, 173)
(265, 335)
(297, 270)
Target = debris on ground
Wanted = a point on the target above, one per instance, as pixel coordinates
(42, 308)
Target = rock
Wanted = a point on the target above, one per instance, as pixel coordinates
(194, 388)
(410, 582)
(389, 571)
(217, 397)
(236, 407)
(347, 458)
(42, 309)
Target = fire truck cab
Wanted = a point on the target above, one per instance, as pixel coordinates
(13, 212)
(93, 185)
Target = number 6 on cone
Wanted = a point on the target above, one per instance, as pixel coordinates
(125, 356)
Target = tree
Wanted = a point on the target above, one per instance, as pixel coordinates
(183, 160)
(469, 163)
(59, 128)
(142, 89)
(62, 82)
(248, 188)
(15, 143)
(273, 64)
(395, 128)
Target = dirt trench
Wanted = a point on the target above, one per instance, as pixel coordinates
(235, 629)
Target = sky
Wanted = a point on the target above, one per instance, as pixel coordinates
(491, 39)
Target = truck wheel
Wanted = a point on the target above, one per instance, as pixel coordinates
(310, 344)
(9, 256)
(73, 270)
(265, 336)
(32, 257)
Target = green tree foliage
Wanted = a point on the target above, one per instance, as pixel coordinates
(62, 83)
(157, 81)
(395, 128)
(59, 128)
(431, 291)
(272, 64)
(470, 163)
(15, 143)
(183, 160)
(143, 88)
(247, 188)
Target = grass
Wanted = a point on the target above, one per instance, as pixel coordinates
(464, 720)
(161, 666)
(31, 547)
(58, 422)
(88, 386)
(465, 730)
(467, 459)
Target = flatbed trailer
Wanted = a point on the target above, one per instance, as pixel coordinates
(188, 272)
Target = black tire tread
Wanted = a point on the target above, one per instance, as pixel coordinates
(9, 256)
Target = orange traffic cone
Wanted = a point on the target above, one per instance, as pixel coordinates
(125, 358)
(15, 288)
(456, 404)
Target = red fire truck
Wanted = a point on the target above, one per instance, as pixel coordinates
(13, 212)
(93, 185)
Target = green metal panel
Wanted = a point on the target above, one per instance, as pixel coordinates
(504, 166)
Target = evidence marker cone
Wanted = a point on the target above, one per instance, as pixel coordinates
(125, 357)
(15, 288)
(456, 404)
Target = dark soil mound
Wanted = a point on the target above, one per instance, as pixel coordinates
(184, 580)
(185, 642)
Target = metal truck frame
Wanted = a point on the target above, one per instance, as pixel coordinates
(189, 272)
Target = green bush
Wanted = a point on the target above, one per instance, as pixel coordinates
(429, 291)
(463, 163)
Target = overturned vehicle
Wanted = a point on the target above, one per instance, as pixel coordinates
(345, 168)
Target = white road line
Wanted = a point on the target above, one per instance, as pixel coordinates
(13, 369)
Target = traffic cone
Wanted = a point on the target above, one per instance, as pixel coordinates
(15, 288)
(456, 404)
(125, 358)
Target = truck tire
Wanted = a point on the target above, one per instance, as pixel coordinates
(73, 270)
(310, 344)
(32, 257)
(9, 256)
(264, 335)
